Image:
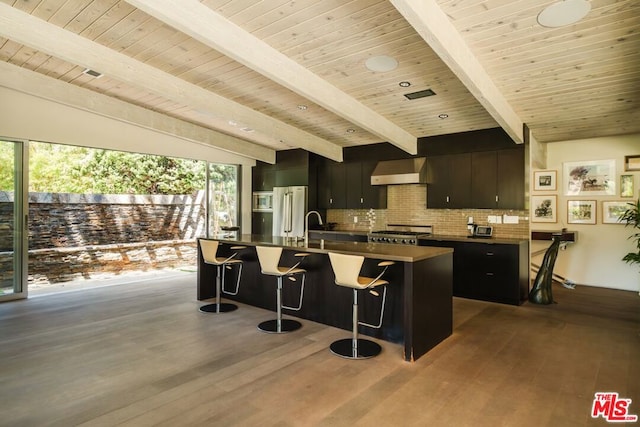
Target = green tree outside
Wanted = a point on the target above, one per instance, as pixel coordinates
(58, 168)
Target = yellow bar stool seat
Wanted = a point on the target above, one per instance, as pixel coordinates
(347, 273)
(209, 254)
(269, 259)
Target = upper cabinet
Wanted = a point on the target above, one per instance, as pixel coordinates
(263, 177)
(293, 167)
(347, 185)
(479, 180)
(477, 169)
(360, 193)
(498, 179)
(449, 181)
(332, 189)
(510, 183)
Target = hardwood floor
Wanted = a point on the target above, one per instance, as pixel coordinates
(141, 354)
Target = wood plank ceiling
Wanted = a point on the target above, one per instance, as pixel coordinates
(268, 75)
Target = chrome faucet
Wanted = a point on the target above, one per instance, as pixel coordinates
(306, 225)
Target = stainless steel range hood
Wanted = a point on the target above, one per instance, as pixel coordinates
(404, 171)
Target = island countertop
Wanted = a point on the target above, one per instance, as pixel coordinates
(402, 253)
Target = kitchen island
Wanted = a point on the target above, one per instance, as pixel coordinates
(418, 312)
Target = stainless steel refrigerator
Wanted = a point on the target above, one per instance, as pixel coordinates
(289, 208)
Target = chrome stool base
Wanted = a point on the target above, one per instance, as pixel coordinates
(213, 308)
(286, 325)
(344, 348)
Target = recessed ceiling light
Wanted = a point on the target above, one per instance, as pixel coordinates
(381, 64)
(233, 123)
(404, 84)
(443, 116)
(350, 130)
(247, 129)
(302, 107)
(563, 13)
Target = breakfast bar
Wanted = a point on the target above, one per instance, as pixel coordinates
(418, 313)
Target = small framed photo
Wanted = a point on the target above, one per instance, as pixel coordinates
(581, 211)
(626, 185)
(545, 180)
(544, 208)
(613, 210)
(632, 163)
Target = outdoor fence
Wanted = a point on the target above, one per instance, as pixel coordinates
(75, 236)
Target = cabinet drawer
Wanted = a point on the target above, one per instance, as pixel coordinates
(488, 272)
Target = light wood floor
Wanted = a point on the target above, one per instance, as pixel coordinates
(142, 354)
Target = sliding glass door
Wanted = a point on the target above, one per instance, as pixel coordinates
(13, 221)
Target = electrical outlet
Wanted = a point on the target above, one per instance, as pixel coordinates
(355, 219)
(508, 219)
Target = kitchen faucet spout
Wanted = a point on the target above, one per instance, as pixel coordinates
(306, 225)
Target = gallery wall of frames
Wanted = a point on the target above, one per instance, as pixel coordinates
(594, 191)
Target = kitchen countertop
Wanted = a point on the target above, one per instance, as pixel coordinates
(402, 253)
(440, 237)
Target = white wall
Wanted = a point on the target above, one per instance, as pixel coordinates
(27, 117)
(595, 260)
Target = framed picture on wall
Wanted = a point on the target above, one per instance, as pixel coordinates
(626, 185)
(613, 210)
(590, 178)
(544, 208)
(544, 180)
(632, 163)
(581, 211)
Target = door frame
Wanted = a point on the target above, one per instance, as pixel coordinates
(21, 220)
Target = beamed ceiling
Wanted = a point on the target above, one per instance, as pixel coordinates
(253, 77)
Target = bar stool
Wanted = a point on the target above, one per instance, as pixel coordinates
(209, 252)
(347, 269)
(269, 257)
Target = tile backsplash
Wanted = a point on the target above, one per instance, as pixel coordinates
(406, 205)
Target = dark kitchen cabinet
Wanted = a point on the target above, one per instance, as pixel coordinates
(498, 179)
(497, 272)
(262, 223)
(292, 168)
(511, 179)
(332, 187)
(449, 181)
(263, 177)
(491, 272)
(484, 170)
(360, 193)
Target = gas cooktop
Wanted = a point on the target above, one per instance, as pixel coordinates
(400, 234)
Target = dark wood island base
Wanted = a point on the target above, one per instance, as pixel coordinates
(418, 313)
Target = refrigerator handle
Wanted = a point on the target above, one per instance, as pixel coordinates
(287, 220)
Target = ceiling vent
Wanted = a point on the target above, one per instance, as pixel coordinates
(92, 73)
(420, 94)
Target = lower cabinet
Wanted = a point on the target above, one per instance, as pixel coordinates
(497, 272)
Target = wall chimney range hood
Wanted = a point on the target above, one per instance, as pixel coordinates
(404, 171)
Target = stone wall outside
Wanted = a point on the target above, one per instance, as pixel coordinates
(73, 236)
